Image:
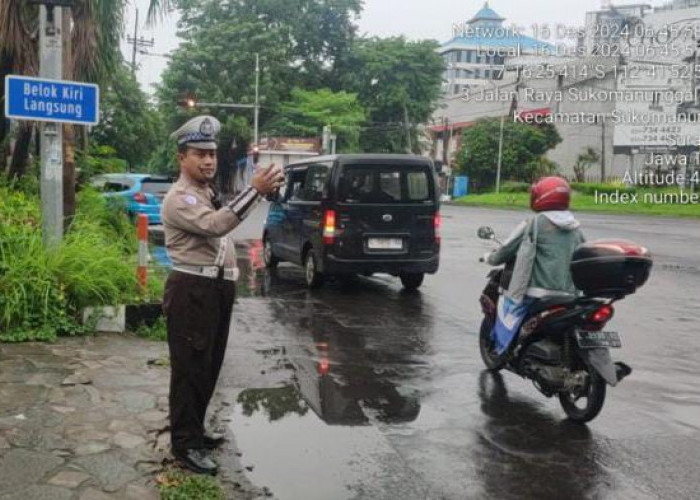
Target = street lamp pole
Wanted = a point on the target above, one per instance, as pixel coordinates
(500, 156)
(408, 128)
(257, 97)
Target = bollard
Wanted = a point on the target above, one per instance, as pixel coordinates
(142, 233)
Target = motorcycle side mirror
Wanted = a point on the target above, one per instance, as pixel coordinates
(486, 233)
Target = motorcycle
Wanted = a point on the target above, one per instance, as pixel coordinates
(561, 345)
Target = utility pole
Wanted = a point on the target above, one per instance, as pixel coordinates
(133, 41)
(445, 139)
(51, 67)
(326, 140)
(500, 156)
(137, 42)
(408, 128)
(602, 147)
(257, 97)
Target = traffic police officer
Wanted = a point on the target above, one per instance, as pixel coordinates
(200, 291)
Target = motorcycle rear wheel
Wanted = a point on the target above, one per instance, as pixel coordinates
(493, 361)
(594, 395)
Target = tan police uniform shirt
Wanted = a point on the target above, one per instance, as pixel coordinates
(194, 228)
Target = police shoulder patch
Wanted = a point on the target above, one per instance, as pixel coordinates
(190, 199)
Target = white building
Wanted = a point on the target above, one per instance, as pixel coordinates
(605, 29)
(581, 124)
(480, 48)
(645, 79)
(678, 5)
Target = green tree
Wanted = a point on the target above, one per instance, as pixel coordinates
(128, 123)
(584, 161)
(523, 148)
(299, 43)
(394, 79)
(308, 112)
(314, 34)
(94, 28)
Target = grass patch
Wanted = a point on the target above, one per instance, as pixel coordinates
(158, 331)
(645, 204)
(42, 292)
(176, 485)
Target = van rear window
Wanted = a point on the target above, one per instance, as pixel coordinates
(385, 184)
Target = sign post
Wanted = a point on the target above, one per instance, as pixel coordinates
(51, 66)
(47, 100)
(52, 101)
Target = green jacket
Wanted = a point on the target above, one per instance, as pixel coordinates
(558, 235)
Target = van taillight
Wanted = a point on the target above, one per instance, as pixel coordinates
(328, 227)
(437, 224)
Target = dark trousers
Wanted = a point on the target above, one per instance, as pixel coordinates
(198, 312)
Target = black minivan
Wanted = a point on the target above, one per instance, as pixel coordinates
(357, 214)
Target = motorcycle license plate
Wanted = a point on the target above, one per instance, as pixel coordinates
(592, 340)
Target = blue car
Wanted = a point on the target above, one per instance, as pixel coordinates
(140, 193)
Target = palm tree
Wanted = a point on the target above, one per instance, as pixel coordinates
(90, 54)
(18, 54)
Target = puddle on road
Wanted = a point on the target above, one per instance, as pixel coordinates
(346, 380)
(297, 452)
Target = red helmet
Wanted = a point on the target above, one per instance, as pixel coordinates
(550, 193)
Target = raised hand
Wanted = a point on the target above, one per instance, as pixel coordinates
(267, 180)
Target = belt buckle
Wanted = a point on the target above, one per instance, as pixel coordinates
(209, 272)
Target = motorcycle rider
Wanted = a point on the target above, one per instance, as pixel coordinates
(542, 247)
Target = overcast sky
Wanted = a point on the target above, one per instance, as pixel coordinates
(416, 19)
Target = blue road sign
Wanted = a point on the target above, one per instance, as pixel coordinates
(29, 98)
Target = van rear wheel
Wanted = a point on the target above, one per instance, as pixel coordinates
(313, 278)
(268, 257)
(412, 281)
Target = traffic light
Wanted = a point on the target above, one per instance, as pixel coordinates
(189, 102)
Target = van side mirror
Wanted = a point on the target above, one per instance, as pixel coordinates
(486, 233)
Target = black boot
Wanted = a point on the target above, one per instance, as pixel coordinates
(213, 440)
(197, 461)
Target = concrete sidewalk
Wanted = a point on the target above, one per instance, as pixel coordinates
(86, 419)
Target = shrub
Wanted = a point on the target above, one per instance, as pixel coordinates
(157, 331)
(92, 269)
(524, 146)
(43, 291)
(98, 160)
(112, 221)
(515, 187)
(591, 188)
(175, 485)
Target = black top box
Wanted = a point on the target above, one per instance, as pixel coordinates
(610, 268)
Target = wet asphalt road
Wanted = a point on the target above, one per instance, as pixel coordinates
(359, 390)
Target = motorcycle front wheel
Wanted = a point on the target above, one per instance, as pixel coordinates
(493, 361)
(585, 405)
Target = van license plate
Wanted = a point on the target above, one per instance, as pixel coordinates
(385, 244)
(592, 340)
